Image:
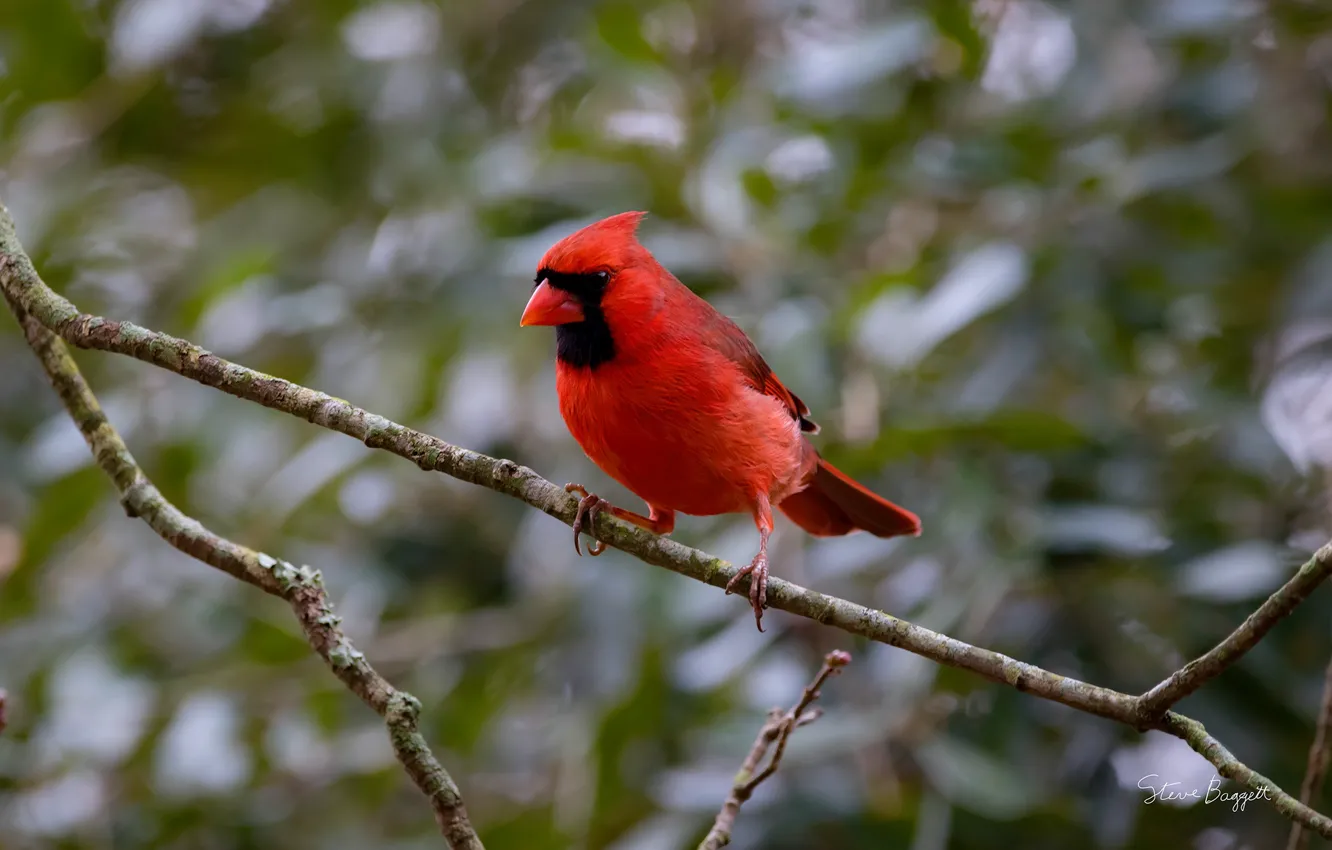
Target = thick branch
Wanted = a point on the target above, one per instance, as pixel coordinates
(301, 587)
(777, 728)
(21, 283)
(1225, 654)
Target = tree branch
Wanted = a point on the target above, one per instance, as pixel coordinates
(301, 587)
(778, 728)
(20, 281)
(1261, 788)
(1225, 654)
(504, 476)
(1316, 771)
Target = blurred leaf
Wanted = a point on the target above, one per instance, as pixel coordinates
(969, 778)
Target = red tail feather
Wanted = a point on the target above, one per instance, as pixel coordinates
(834, 505)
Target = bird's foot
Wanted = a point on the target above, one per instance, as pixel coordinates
(588, 508)
(758, 585)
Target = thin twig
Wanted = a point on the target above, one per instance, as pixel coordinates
(301, 587)
(777, 728)
(1260, 787)
(4, 709)
(1319, 753)
(20, 281)
(833, 663)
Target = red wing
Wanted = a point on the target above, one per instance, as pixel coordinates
(728, 339)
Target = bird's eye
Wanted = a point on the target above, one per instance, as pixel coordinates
(603, 276)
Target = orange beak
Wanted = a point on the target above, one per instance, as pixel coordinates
(551, 306)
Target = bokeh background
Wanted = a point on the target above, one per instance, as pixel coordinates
(1058, 276)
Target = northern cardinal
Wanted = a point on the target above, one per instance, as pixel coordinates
(672, 400)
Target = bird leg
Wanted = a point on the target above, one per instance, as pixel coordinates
(660, 522)
(758, 568)
(589, 506)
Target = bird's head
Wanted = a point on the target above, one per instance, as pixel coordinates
(583, 269)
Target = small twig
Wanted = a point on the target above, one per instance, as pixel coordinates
(1319, 753)
(1260, 787)
(1198, 672)
(833, 663)
(4, 705)
(778, 728)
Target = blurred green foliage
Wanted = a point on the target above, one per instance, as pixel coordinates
(1058, 277)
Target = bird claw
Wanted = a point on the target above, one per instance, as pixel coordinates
(588, 507)
(758, 585)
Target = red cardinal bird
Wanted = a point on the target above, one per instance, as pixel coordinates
(672, 400)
